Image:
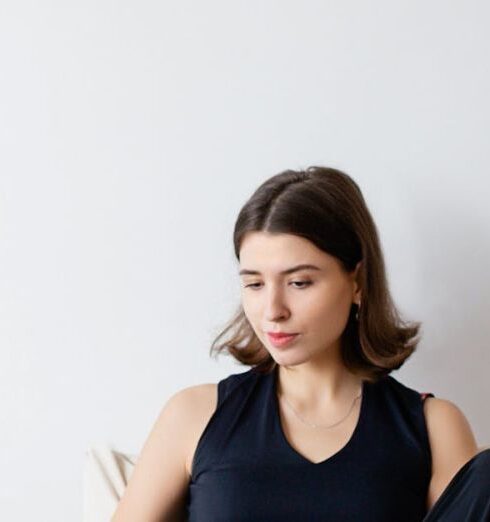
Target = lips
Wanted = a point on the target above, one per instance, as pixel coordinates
(282, 339)
(279, 335)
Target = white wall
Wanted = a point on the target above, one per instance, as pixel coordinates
(132, 133)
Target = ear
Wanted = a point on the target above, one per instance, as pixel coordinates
(356, 279)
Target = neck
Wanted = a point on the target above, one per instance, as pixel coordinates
(316, 386)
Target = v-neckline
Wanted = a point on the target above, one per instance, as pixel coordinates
(355, 434)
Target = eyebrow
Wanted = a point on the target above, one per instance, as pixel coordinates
(245, 271)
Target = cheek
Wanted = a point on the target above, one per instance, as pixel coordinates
(250, 308)
(327, 309)
(252, 314)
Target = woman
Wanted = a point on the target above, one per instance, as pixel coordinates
(316, 428)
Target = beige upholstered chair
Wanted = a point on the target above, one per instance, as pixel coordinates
(106, 474)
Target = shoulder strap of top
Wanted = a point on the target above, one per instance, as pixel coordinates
(227, 385)
(411, 403)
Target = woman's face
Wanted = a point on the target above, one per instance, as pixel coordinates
(312, 302)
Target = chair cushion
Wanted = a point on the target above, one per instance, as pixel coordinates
(106, 474)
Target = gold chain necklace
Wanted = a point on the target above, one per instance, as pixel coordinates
(322, 425)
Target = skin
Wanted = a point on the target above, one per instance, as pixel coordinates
(311, 374)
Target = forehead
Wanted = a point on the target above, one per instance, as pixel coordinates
(278, 251)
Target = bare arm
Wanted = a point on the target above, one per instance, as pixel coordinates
(157, 488)
(452, 443)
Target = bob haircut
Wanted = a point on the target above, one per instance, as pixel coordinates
(326, 206)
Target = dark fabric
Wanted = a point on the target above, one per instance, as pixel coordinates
(245, 470)
(467, 497)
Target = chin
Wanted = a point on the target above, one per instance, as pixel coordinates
(288, 359)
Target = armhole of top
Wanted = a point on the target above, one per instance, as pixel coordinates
(221, 392)
(196, 459)
(424, 396)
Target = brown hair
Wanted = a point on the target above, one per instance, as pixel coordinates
(326, 206)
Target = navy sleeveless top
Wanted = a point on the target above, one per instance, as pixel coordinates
(245, 470)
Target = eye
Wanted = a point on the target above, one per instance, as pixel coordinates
(303, 283)
(251, 285)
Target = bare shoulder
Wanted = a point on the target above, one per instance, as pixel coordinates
(159, 481)
(452, 443)
(448, 427)
(200, 402)
(197, 392)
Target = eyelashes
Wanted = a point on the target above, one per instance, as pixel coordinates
(304, 284)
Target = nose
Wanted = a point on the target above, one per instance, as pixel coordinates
(275, 306)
